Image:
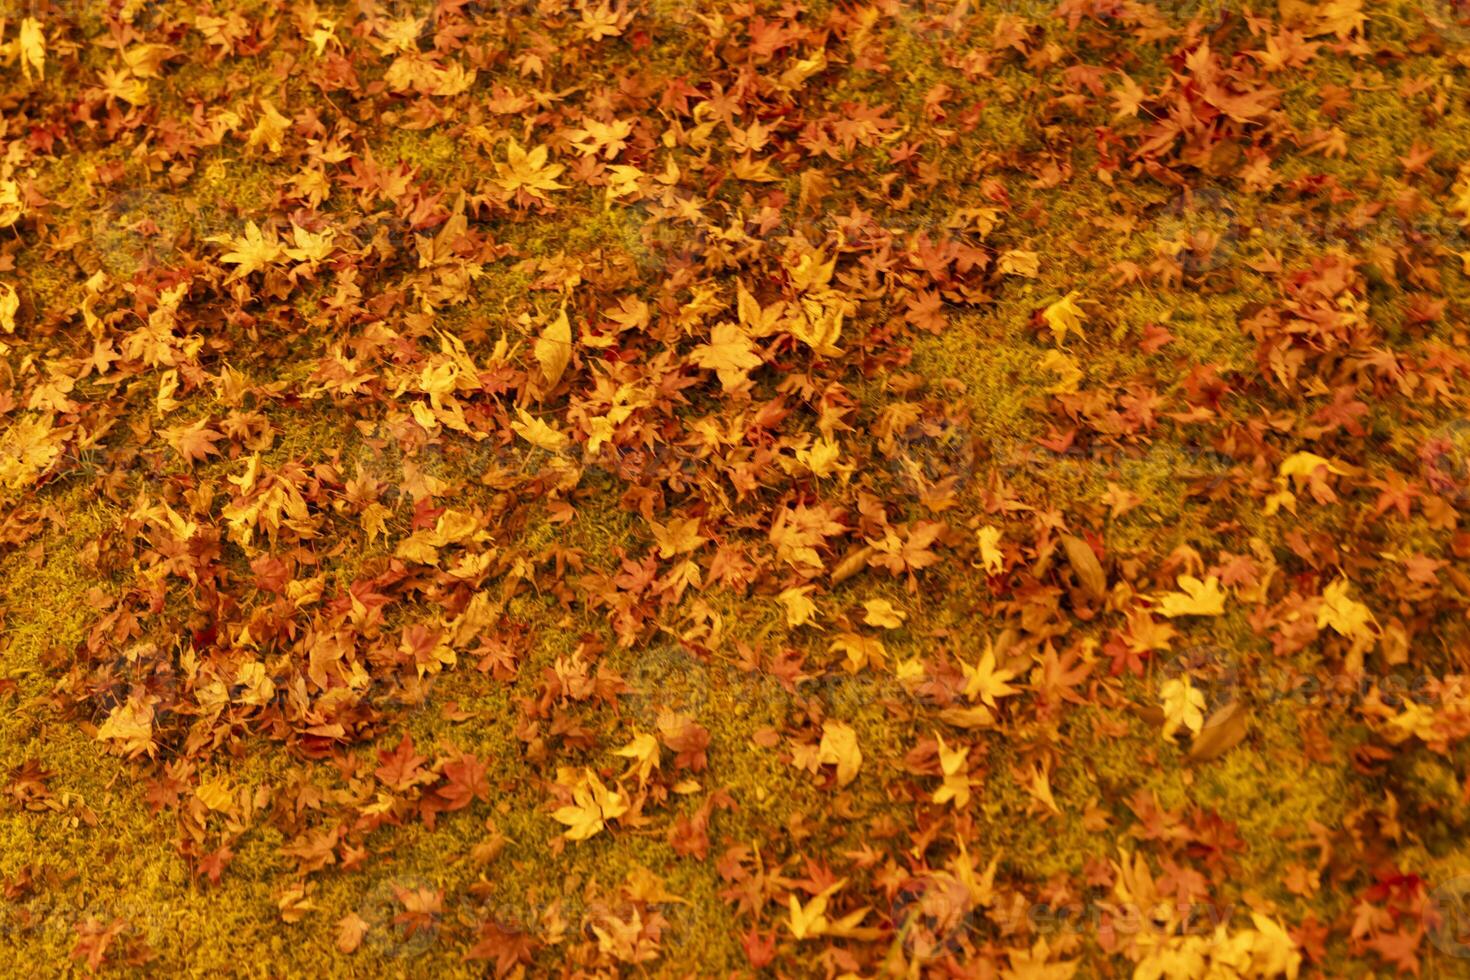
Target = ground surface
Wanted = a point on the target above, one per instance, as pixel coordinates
(954, 489)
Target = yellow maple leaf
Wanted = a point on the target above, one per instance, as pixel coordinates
(730, 354)
(1183, 706)
(1069, 375)
(810, 920)
(9, 306)
(757, 171)
(622, 181)
(1340, 17)
(679, 536)
(1347, 616)
(130, 726)
(881, 613)
(988, 540)
(1273, 952)
(538, 433)
(643, 750)
(800, 610)
(1019, 263)
(956, 786)
(27, 449)
(452, 79)
(982, 886)
(598, 137)
(1038, 785)
(400, 35)
(823, 458)
(1304, 467)
(817, 322)
(12, 206)
(839, 747)
(553, 348)
(859, 650)
(758, 321)
(986, 682)
(146, 60)
(1196, 598)
(593, 804)
(323, 33)
(604, 20)
(216, 794)
(1064, 317)
(254, 252)
(1038, 963)
(528, 172)
(795, 76)
(310, 246)
(1307, 470)
(270, 128)
(32, 46)
(812, 271)
(121, 84)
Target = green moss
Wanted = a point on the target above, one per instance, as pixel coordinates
(437, 156)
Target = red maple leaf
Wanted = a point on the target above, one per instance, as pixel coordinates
(465, 781)
(401, 769)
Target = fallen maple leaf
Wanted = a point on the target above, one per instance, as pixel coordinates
(986, 682)
(839, 747)
(350, 930)
(730, 354)
(800, 610)
(1183, 706)
(195, 441)
(881, 613)
(538, 433)
(1064, 316)
(255, 252)
(31, 43)
(1195, 598)
(402, 768)
(987, 539)
(553, 349)
(593, 804)
(464, 782)
(528, 172)
(956, 786)
(644, 752)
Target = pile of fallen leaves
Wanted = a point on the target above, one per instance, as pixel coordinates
(848, 489)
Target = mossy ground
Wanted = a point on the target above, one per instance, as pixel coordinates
(116, 857)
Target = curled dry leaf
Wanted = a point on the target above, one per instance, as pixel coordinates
(1222, 731)
(1085, 564)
